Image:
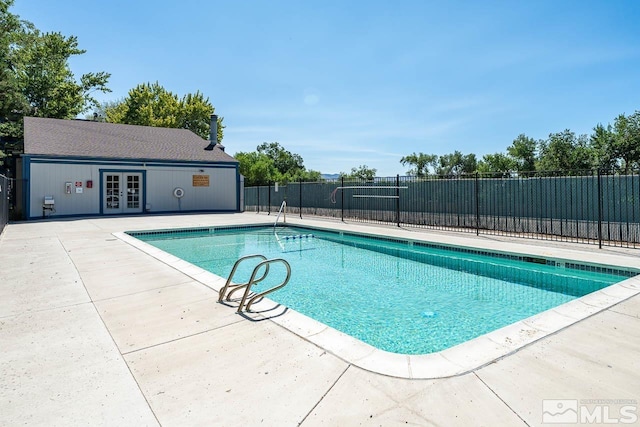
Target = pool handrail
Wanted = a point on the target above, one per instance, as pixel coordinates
(283, 207)
(252, 281)
(234, 287)
(275, 224)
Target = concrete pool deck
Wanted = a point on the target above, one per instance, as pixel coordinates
(96, 332)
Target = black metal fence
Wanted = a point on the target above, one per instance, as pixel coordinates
(597, 207)
(5, 193)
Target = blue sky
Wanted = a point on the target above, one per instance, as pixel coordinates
(349, 83)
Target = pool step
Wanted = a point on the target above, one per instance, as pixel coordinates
(232, 288)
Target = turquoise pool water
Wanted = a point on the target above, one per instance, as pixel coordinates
(399, 296)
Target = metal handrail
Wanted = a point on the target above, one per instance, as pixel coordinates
(282, 206)
(253, 281)
(234, 288)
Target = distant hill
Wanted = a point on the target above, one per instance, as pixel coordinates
(330, 176)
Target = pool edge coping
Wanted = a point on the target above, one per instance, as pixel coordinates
(454, 361)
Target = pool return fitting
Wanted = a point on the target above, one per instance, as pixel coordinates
(232, 288)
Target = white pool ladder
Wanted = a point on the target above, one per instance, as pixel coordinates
(232, 288)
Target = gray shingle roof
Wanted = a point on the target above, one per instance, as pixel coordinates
(80, 138)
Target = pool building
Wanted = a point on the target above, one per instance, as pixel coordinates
(79, 168)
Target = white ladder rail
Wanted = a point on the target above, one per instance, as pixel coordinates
(283, 209)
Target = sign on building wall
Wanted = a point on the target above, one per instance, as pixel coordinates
(200, 180)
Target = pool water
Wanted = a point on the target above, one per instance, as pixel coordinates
(398, 296)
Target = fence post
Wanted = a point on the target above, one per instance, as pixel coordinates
(300, 187)
(477, 192)
(599, 209)
(398, 200)
(269, 198)
(4, 201)
(342, 199)
(258, 210)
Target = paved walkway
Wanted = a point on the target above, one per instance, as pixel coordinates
(95, 332)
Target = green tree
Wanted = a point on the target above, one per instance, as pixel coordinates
(13, 103)
(147, 105)
(627, 140)
(286, 162)
(456, 164)
(523, 152)
(36, 79)
(273, 163)
(99, 113)
(362, 172)
(195, 115)
(603, 146)
(257, 168)
(309, 175)
(420, 163)
(563, 151)
(150, 104)
(499, 164)
(46, 79)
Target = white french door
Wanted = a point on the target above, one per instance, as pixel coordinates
(122, 192)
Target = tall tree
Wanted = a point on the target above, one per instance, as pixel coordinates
(195, 115)
(523, 151)
(257, 168)
(563, 151)
(603, 145)
(498, 164)
(456, 163)
(627, 139)
(46, 78)
(36, 79)
(150, 104)
(13, 104)
(273, 163)
(420, 163)
(284, 161)
(362, 172)
(147, 105)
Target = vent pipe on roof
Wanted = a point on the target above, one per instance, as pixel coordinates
(213, 131)
(213, 134)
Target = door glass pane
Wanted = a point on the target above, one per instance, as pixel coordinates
(133, 191)
(113, 192)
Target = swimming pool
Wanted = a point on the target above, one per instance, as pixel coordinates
(398, 295)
